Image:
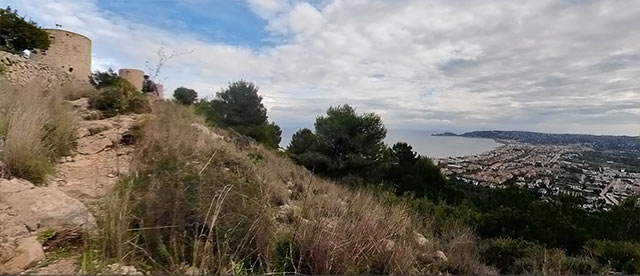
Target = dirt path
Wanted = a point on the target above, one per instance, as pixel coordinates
(99, 160)
(89, 174)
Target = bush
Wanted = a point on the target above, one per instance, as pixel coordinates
(185, 96)
(37, 128)
(622, 256)
(239, 107)
(514, 256)
(409, 172)
(121, 98)
(108, 78)
(344, 144)
(18, 34)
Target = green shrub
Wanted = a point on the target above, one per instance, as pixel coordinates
(120, 98)
(18, 34)
(104, 79)
(285, 254)
(240, 108)
(505, 252)
(185, 96)
(622, 256)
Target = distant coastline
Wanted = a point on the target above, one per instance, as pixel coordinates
(597, 142)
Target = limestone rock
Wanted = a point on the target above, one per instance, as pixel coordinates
(44, 207)
(389, 245)
(28, 252)
(61, 267)
(98, 126)
(440, 256)
(119, 269)
(421, 240)
(285, 214)
(82, 103)
(92, 146)
(91, 115)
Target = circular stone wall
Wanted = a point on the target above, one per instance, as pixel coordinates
(69, 52)
(134, 76)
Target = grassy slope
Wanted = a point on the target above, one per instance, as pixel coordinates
(195, 202)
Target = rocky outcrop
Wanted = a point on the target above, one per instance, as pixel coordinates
(25, 210)
(43, 207)
(27, 252)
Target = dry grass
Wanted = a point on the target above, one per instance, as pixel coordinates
(192, 202)
(203, 204)
(36, 128)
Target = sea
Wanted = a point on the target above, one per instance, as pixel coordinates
(440, 146)
(425, 144)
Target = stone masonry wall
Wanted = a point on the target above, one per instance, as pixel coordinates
(20, 71)
(69, 52)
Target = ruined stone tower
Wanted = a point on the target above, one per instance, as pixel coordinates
(134, 76)
(69, 52)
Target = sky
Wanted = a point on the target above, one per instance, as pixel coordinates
(562, 66)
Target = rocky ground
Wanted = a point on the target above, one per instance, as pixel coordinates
(36, 222)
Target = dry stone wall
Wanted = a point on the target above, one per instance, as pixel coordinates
(20, 71)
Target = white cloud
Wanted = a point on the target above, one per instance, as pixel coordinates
(536, 65)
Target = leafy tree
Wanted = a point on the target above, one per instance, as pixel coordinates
(18, 34)
(240, 107)
(345, 144)
(108, 78)
(402, 161)
(185, 96)
(301, 141)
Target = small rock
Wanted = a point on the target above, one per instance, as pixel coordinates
(88, 146)
(28, 252)
(389, 245)
(285, 214)
(192, 270)
(91, 115)
(69, 158)
(440, 256)
(120, 269)
(421, 240)
(40, 207)
(98, 126)
(80, 103)
(111, 175)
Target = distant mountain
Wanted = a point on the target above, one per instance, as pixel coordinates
(598, 142)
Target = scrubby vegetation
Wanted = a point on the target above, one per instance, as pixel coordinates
(528, 233)
(199, 203)
(36, 127)
(185, 96)
(116, 95)
(240, 107)
(17, 34)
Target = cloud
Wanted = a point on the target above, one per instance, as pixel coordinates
(461, 65)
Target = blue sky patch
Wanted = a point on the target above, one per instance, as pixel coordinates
(229, 22)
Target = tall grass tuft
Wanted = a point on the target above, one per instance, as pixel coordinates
(191, 203)
(36, 127)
